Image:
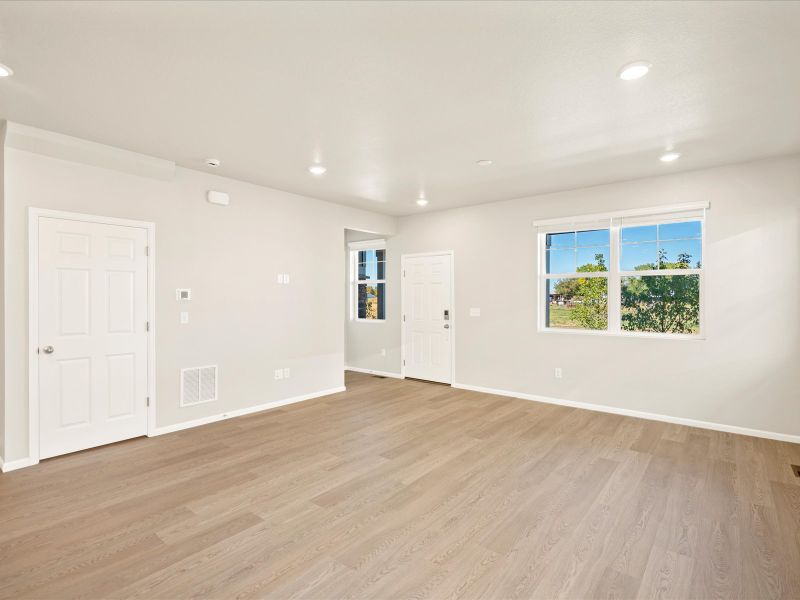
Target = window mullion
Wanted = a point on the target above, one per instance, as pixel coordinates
(614, 283)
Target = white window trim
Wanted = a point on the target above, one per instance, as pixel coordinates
(614, 275)
(355, 248)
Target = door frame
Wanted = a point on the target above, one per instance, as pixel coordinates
(34, 214)
(403, 258)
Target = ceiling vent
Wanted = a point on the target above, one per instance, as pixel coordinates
(198, 385)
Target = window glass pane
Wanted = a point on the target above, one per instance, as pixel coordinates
(561, 260)
(561, 240)
(368, 271)
(577, 303)
(661, 303)
(680, 254)
(680, 231)
(575, 252)
(646, 233)
(639, 257)
(595, 237)
(381, 300)
(371, 301)
(593, 259)
(371, 265)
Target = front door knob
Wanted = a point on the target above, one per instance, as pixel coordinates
(48, 349)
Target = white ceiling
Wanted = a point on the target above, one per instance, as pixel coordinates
(398, 97)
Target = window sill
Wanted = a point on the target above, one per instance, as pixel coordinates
(628, 334)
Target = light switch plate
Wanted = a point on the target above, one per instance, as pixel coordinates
(474, 312)
(278, 373)
(287, 373)
(184, 317)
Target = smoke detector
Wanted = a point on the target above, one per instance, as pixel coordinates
(213, 162)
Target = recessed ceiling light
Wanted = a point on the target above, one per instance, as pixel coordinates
(634, 70)
(422, 202)
(5, 71)
(484, 162)
(213, 162)
(317, 170)
(670, 156)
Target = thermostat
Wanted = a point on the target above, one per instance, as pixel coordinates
(185, 294)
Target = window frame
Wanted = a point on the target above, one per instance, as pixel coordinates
(355, 248)
(614, 222)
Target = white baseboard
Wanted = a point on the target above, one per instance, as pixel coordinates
(243, 411)
(373, 372)
(770, 435)
(13, 465)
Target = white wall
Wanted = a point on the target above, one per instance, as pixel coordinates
(240, 318)
(2, 296)
(744, 374)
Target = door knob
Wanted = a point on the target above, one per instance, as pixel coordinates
(447, 325)
(48, 349)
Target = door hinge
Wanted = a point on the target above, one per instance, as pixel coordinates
(404, 363)
(147, 325)
(404, 318)
(147, 250)
(404, 272)
(148, 401)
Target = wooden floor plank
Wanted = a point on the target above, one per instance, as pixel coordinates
(400, 488)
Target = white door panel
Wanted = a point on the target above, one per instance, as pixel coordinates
(427, 289)
(92, 311)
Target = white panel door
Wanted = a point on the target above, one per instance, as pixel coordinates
(92, 334)
(428, 318)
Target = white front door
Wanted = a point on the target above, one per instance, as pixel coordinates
(428, 318)
(92, 347)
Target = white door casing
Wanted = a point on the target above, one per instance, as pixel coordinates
(428, 317)
(91, 303)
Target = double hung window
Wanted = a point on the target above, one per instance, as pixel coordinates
(637, 272)
(368, 280)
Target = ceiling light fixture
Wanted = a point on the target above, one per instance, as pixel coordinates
(422, 202)
(213, 162)
(634, 70)
(484, 162)
(317, 170)
(670, 156)
(5, 71)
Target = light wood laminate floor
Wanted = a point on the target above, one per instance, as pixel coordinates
(402, 489)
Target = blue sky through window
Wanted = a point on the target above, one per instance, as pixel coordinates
(640, 245)
(371, 264)
(567, 252)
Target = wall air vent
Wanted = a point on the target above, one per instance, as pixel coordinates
(198, 385)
